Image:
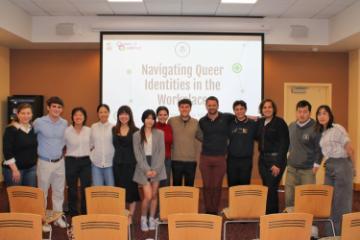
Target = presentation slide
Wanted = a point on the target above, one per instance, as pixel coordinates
(145, 71)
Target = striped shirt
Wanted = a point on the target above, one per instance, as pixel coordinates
(333, 141)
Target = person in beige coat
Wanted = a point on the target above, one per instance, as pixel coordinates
(149, 150)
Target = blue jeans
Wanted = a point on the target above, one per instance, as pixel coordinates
(102, 176)
(27, 177)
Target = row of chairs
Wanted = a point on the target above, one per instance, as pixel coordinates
(246, 203)
(282, 226)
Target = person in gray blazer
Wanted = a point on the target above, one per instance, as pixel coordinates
(149, 150)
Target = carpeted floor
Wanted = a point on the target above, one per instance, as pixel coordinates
(235, 231)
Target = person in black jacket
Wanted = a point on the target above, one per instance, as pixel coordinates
(273, 139)
(242, 133)
(20, 149)
(124, 161)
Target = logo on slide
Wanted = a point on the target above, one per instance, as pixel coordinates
(237, 67)
(182, 49)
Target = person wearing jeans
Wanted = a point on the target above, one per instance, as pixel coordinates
(184, 128)
(162, 114)
(20, 149)
(102, 149)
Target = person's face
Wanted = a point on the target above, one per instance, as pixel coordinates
(323, 117)
(78, 118)
(212, 106)
(303, 114)
(267, 110)
(162, 116)
(55, 110)
(240, 112)
(184, 110)
(124, 118)
(25, 115)
(149, 122)
(103, 114)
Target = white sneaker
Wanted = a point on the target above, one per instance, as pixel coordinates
(143, 224)
(314, 231)
(152, 224)
(61, 223)
(46, 228)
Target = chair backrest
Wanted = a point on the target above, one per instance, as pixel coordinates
(19, 226)
(286, 226)
(178, 199)
(100, 226)
(247, 201)
(24, 199)
(194, 226)
(314, 199)
(350, 226)
(105, 200)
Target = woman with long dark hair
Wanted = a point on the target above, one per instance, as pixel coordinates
(149, 149)
(77, 160)
(20, 149)
(339, 172)
(124, 159)
(273, 138)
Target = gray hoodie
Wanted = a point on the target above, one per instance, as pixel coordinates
(304, 148)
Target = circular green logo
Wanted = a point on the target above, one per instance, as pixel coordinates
(236, 67)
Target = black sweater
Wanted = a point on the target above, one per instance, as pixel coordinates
(241, 138)
(273, 142)
(124, 152)
(215, 134)
(20, 145)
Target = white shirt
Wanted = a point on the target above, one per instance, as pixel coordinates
(333, 141)
(77, 144)
(148, 146)
(101, 139)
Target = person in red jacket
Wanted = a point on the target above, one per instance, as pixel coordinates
(162, 114)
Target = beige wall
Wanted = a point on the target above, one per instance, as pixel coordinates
(4, 91)
(354, 107)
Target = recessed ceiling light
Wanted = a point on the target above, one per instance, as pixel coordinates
(125, 0)
(239, 1)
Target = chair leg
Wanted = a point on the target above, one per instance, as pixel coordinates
(332, 227)
(257, 230)
(157, 231)
(224, 230)
(129, 234)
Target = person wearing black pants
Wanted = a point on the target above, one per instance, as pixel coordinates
(77, 160)
(183, 170)
(242, 134)
(273, 139)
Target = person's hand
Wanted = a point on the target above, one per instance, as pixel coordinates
(275, 171)
(149, 174)
(153, 173)
(315, 169)
(16, 176)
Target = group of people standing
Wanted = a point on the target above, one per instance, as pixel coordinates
(47, 152)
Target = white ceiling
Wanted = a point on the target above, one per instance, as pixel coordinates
(315, 9)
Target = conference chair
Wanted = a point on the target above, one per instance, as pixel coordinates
(350, 229)
(24, 199)
(286, 226)
(100, 226)
(176, 199)
(106, 200)
(315, 199)
(194, 226)
(246, 204)
(20, 226)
